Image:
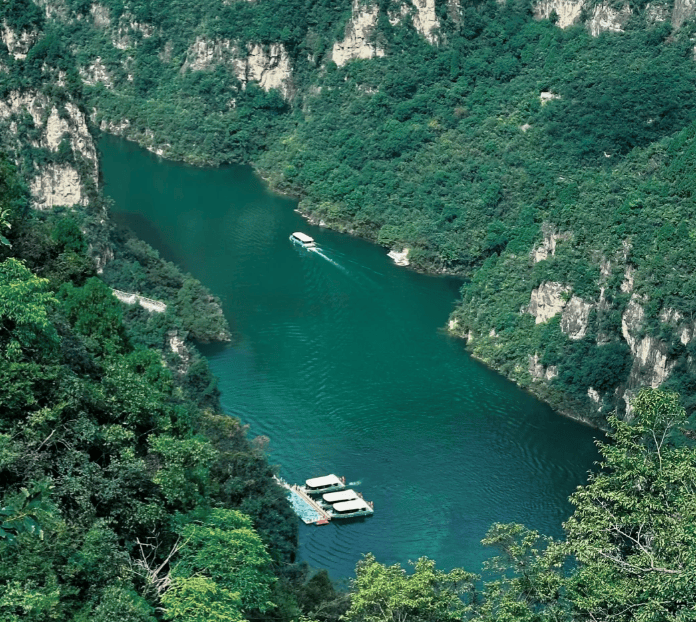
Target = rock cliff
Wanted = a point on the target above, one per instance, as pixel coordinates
(57, 182)
(358, 41)
(268, 66)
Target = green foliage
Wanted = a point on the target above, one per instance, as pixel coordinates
(100, 420)
(94, 313)
(24, 513)
(68, 236)
(387, 594)
(631, 532)
(24, 307)
(527, 577)
(199, 599)
(125, 605)
(233, 562)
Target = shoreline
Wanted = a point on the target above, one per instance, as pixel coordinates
(346, 229)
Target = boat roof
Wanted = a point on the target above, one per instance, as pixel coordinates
(302, 237)
(341, 495)
(327, 480)
(351, 506)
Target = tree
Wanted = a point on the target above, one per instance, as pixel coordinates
(94, 313)
(632, 532)
(25, 329)
(24, 513)
(223, 570)
(389, 594)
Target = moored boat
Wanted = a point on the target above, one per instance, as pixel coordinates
(352, 508)
(327, 483)
(341, 495)
(303, 239)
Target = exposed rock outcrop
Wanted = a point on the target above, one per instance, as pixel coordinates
(547, 300)
(126, 33)
(18, 44)
(206, 53)
(548, 245)
(57, 184)
(651, 365)
(656, 13)
(538, 372)
(594, 395)
(101, 16)
(576, 315)
(454, 11)
(96, 72)
(400, 258)
(605, 18)
(546, 96)
(683, 10)
(358, 41)
(425, 20)
(178, 346)
(270, 67)
(568, 11)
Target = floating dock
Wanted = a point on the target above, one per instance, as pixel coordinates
(305, 507)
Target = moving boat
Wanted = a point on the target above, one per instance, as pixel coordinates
(303, 239)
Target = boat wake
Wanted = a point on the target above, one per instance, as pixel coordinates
(319, 252)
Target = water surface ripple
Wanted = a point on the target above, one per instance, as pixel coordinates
(340, 358)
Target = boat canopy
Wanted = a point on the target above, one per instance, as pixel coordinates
(324, 482)
(302, 237)
(341, 495)
(354, 505)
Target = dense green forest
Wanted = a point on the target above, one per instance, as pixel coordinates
(471, 153)
(127, 495)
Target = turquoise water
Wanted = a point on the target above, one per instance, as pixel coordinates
(341, 359)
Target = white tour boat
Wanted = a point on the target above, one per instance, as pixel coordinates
(303, 239)
(349, 509)
(327, 483)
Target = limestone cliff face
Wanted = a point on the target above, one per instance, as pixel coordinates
(651, 364)
(95, 73)
(425, 20)
(539, 372)
(547, 300)
(268, 66)
(18, 44)
(608, 16)
(575, 318)
(548, 246)
(57, 183)
(568, 11)
(683, 10)
(358, 41)
(605, 18)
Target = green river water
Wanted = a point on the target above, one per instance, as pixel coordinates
(340, 358)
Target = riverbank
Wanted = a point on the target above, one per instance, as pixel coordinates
(560, 402)
(340, 363)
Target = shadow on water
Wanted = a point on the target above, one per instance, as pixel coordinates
(347, 372)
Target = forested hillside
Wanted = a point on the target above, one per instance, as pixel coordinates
(545, 153)
(537, 149)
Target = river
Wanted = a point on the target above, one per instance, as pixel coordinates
(340, 358)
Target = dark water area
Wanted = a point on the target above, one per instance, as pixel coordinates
(340, 358)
